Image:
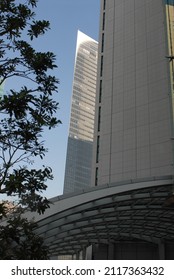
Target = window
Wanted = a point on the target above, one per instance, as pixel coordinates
(96, 176)
(99, 118)
(97, 153)
(102, 46)
(101, 67)
(103, 25)
(100, 91)
(104, 4)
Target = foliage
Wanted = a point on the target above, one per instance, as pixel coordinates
(19, 242)
(24, 114)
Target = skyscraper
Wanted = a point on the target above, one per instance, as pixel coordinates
(1, 88)
(134, 135)
(80, 140)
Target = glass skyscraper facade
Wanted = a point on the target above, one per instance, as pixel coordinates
(80, 140)
(1, 88)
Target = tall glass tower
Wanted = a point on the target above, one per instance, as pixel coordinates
(80, 140)
(1, 88)
(134, 122)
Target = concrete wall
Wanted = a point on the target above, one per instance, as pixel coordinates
(134, 138)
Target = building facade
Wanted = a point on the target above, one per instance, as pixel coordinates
(134, 135)
(1, 88)
(80, 140)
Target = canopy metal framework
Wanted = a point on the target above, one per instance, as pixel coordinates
(128, 211)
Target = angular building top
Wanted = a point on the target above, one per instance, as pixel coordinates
(84, 88)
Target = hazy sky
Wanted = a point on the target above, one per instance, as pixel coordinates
(66, 17)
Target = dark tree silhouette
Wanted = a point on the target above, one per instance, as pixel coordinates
(24, 113)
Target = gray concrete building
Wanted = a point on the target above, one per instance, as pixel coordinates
(134, 119)
(80, 140)
(134, 134)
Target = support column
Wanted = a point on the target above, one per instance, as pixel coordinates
(111, 251)
(84, 254)
(161, 250)
(89, 253)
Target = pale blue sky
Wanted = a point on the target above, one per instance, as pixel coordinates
(66, 17)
